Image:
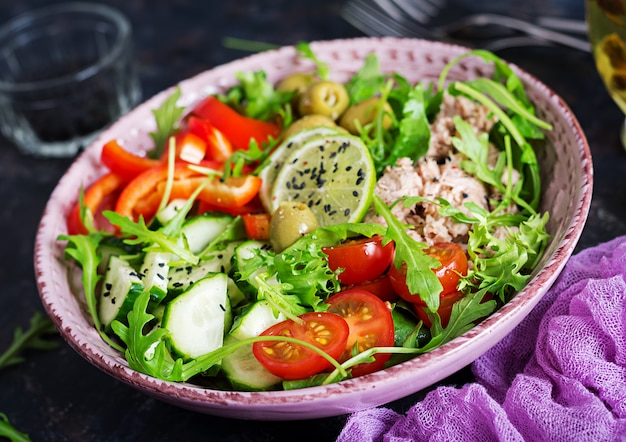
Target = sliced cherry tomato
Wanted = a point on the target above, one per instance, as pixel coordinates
(288, 360)
(257, 225)
(453, 264)
(98, 196)
(380, 287)
(218, 147)
(124, 163)
(238, 128)
(190, 147)
(361, 259)
(370, 323)
(445, 308)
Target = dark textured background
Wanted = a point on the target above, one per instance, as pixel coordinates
(57, 396)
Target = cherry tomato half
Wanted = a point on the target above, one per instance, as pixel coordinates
(287, 360)
(380, 287)
(363, 259)
(445, 309)
(453, 264)
(371, 325)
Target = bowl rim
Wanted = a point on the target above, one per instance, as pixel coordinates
(254, 405)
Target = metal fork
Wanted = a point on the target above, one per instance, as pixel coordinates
(422, 19)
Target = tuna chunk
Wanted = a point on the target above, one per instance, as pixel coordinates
(437, 174)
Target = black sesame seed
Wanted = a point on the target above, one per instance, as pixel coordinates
(355, 193)
(105, 294)
(161, 277)
(113, 300)
(108, 286)
(327, 208)
(332, 213)
(359, 180)
(348, 168)
(161, 264)
(346, 212)
(465, 195)
(177, 284)
(222, 307)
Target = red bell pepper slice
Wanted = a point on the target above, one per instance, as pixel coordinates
(218, 147)
(124, 163)
(143, 187)
(190, 147)
(97, 195)
(238, 128)
(257, 225)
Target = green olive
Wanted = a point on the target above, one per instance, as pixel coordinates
(309, 122)
(325, 98)
(364, 112)
(298, 82)
(290, 221)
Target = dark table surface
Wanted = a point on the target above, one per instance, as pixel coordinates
(57, 395)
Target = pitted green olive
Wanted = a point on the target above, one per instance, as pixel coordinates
(309, 122)
(298, 82)
(364, 112)
(290, 221)
(324, 98)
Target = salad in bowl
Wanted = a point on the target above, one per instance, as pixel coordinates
(299, 231)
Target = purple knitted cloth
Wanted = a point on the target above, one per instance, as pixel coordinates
(559, 376)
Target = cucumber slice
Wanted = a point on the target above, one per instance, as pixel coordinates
(195, 319)
(154, 270)
(202, 230)
(170, 211)
(245, 372)
(180, 278)
(120, 288)
(256, 318)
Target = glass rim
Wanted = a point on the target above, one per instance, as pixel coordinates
(26, 19)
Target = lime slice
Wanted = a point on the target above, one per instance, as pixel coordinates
(279, 155)
(333, 174)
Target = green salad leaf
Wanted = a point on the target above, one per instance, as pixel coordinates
(167, 118)
(419, 275)
(33, 338)
(10, 432)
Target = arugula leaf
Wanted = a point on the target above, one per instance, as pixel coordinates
(304, 49)
(414, 131)
(256, 97)
(463, 317)
(139, 233)
(419, 275)
(32, 338)
(167, 117)
(84, 250)
(10, 432)
(367, 81)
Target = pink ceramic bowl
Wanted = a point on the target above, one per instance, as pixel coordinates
(567, 179)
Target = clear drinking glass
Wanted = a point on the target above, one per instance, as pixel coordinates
(606, 22)
(66, 72)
